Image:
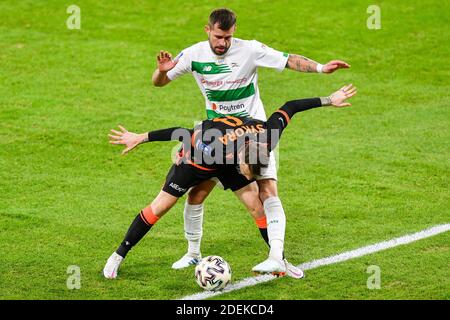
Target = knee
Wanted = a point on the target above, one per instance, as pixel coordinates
(264, 195)
(199, 193)
(195, 198)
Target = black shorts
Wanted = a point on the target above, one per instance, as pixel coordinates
(231, 178)
(183, 176)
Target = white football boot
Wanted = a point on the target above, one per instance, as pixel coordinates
(112, 266)
(271, 265)
(186, 261)
(293, 271)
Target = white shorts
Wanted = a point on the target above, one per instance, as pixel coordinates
(270, 172)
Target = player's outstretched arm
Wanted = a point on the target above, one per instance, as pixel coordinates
(337, 99)
(131, 140)
(280, 118)
(165, 64)
(303, 64)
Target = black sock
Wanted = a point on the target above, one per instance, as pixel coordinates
(265, 236)
(137, 230)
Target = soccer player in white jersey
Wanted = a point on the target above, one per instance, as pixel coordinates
(225, 69)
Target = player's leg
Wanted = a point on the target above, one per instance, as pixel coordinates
(145, 220)
(276, 222)
(141, 224)
(276, 225)
(276, 230)
(193, 222)
(248, 193)
(249, 196)
(179, 179)
(276, 219)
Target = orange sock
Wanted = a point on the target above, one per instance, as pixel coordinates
(148, 216)
(261, 222)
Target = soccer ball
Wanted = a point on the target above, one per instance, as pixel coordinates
(213, 273)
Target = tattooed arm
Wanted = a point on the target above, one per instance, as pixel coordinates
(300, 63)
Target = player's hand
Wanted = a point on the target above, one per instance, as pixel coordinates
(338, 98)
(129, 139)
(334, 65)
(165, 62)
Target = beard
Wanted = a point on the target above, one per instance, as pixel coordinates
(219, 50)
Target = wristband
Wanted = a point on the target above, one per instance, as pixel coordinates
(319, 68)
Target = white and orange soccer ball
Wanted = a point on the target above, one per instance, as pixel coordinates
(213, 273)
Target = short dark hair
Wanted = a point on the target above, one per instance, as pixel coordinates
(224, 17)
(256, 155)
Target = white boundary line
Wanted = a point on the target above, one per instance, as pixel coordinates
(252, 281)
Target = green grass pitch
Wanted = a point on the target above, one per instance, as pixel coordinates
(347, 178)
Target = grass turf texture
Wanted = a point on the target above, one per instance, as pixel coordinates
(348, 178)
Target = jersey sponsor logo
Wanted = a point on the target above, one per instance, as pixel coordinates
(231, 107)
(177, 187)
(211, 83)
(218, 83)
(237, 81)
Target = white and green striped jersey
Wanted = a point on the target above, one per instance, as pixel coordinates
(229, 82)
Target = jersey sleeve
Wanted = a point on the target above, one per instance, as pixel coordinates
(169, 134)
(267, 57)
(182, 67)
